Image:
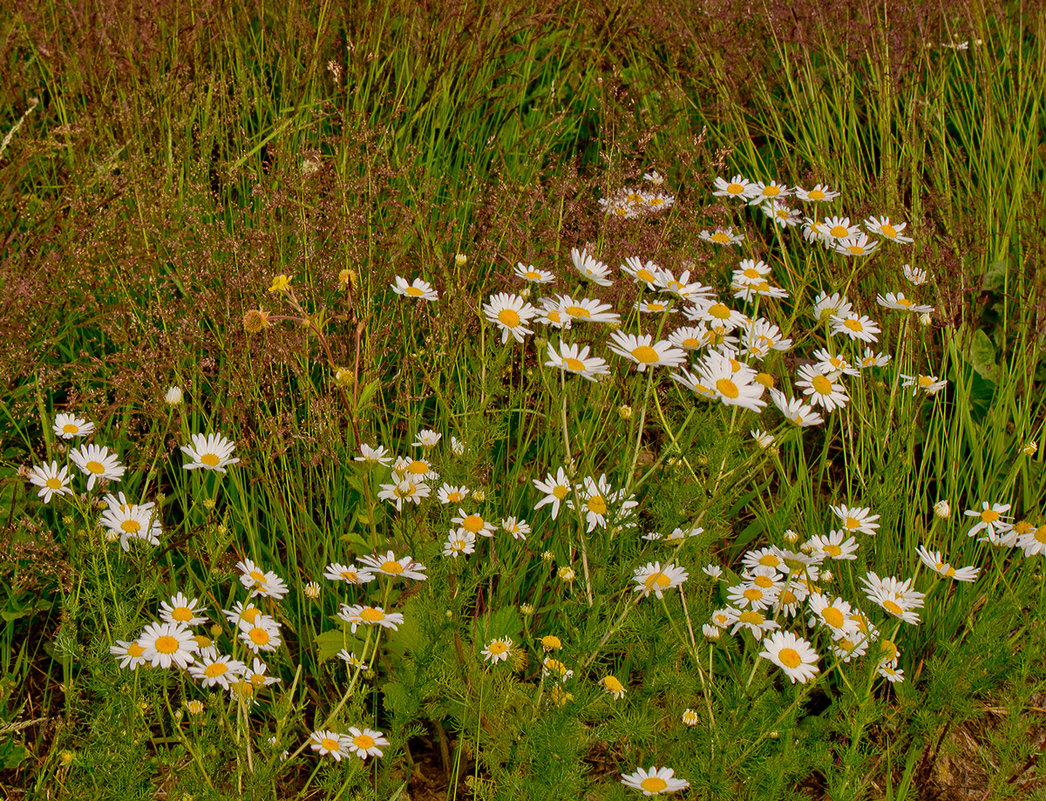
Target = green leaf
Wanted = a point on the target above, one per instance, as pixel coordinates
(982, 356)
(994, 277)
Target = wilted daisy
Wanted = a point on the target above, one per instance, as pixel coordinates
(511, 314)
(871, 359)
(363, 742)
(50, 480)
(556, 488)
(389, 565)
(645, 352)
(819, 193)
(722, 236)
(211, 452)
(166, 644)
(418, 289)
(329, 743)
(448, 493)
(358, 615)
(350, 574)
(794, 655)
(782, 215)
(916, 276)
(654, 781)
(927, 384)
(555, 668)
(497, 650)
(68, 426)
(533, 275)
(936, 563)
(182, 610)
(379, 455)
(575, 359)
(653, 578)
(613, 686)
(97, 462)
(898, 302)
(896, 597)
(736, 187)
(884, 228)
(690, 717)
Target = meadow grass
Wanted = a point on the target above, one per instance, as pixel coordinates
(233, 202)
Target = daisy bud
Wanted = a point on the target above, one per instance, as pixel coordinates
(791, 536)
(461, 260)
(710, 631)
(312, 590)
(566, 574)
(208, 503)
(1031, 448)
(924, 318)
(624, 412)
(216, 630)
(942, 509)
(173, 396)
(67, 520)
(826, 575)
(479, 496)
(689, 717)
(524, 292)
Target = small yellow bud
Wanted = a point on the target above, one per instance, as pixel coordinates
(461, 260)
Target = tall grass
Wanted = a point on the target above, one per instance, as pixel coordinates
(178, 162)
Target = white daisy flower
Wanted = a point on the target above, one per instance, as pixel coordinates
(511, 314)
(459, 541)
(556, 488)
(50, 480)
(166, 644)
(654, 781)
(819, 194)
(418, 289)
(653, 578)
(364, 742)
(736, 187)
(936, 563)
(590, 268)
(575, 359)
(97, 462)
(533, 275)
(389, 565)
(884, 228)
(794, 655)
(211, 452)
(68, 426)
(645, 352)
(379, 455)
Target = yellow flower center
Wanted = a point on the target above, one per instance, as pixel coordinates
(905, 302)
(655, 784)
(657, 580)
(363, 741)
(821, 385)
(418, 467)
(258, 576)
(413, 291)
(70, 428)
(96, 467)
(947, 573)
(182, 614)
(735, 189)
(329, 744)
(250, 614)
(754, 274)
(350, 575)
(135, 650)
(763, 582)
(720, 311)
(853, 324)
(892, 607)
(216, 669)
(839, 231)
(53, 483)
(209, 459)
(833, 617)
(560, 492)
(131, 526)
(612, 684)
(1040, 535)
(787, 598)
(497, 647)
(769, 560)
(990, 516)
(753, 593)
(508, 318)
(645, 355)
(645, 275)
(577, 311)
(815, 194)
(852, 523)
(166, 644)
(888, 649)
(790, 657)
(473, 523)
(856, 250)
(765, 379)
(597, 505)
(550, 641)
(531, 275)
(574, 365)
(372, 615)
(259, 636)
(389, 566)
(771, 191)
(720, 238)
(832, 549)
(888, 230)
(727, 388)
(691, 343)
